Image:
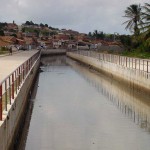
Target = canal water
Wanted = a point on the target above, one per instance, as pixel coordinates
(76, 108)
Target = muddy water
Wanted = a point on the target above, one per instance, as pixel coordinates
(78, 109)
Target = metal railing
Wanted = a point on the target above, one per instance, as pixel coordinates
(12, 83)
(132, 63)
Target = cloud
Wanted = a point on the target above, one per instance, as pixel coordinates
(85, 15)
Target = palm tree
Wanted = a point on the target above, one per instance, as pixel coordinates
(133, 12)
(95, 34)
(146, 20)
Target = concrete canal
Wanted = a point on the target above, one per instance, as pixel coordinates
(76, 108)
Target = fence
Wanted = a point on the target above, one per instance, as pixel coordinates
(132, 63)
(11, 84)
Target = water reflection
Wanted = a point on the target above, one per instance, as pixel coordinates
(21, 143)
(79, 109)
(54, 61)
(132, 104)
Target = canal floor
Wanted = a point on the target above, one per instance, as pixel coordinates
(75, 108)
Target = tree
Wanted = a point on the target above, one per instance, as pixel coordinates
(15, 35)
(146, 20)
(41, 25)
(126, 40)
(23, 29)
(27, 23)
(2, 33)
(46, 25)
(37, 32)
(2, 25)
(133, 13)
(90, 34)
(95, 34)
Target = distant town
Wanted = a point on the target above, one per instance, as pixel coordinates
(30, 35)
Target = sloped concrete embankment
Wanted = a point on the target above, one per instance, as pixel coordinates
(135, 79)
(10, 125)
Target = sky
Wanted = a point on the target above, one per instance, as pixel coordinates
(81, 15)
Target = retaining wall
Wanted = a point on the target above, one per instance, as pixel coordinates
(134, 78)
(46, 52)
(12, 118)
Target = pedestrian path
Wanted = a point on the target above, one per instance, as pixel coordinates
(11, 62)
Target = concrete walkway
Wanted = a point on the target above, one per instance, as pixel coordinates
(11, 62)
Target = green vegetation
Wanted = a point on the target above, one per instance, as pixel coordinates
(138, 23)
(2, 26)
(3, 50)
(101, 35)
(133, 13)
(138, 44)
(136, 53)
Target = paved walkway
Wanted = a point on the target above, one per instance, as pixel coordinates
(9, 63)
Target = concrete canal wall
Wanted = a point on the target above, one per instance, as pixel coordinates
(13, 116)
(46, 52)
(136, 79)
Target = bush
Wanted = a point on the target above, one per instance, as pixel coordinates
(3, 49)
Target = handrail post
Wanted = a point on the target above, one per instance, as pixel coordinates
(17, 79)
(19, 76)
(147, 66)
(6, 94)
(9, 91)
(1, 102)
(135, 63)
(23, 71)
(13, 86)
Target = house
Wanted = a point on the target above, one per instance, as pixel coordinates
(4, 43)
(103, 45)
(83, 45)
(20, 41)
(61, 36)
(29, 34)
(72, 45)
(57, 43)
(9, 39)
(11, 27)
(30, 43)
(8, 33)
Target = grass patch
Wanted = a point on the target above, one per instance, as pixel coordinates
(138, 54)
(3, 50)
(133, 53)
